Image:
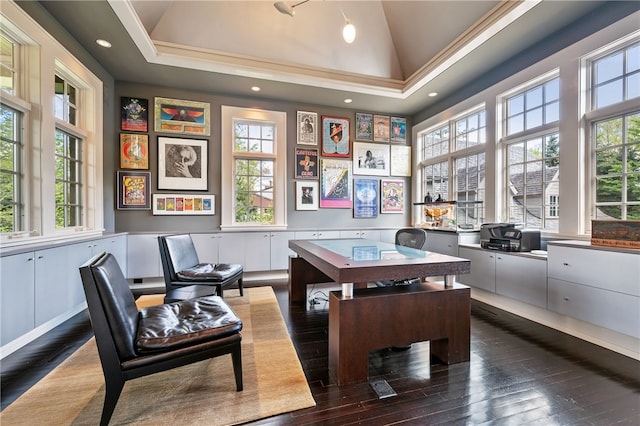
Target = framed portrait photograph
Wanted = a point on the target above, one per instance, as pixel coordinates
(183, 204)
(365, 198)
(184, 117)
(335, 183)
(133, 190)
(307, 128)
(400, 160)
(307, 195)
(306, 163)
(370, 159)
(335, 137)
(134, 113)
(398, 130)
(364, 127)
(134, 151)
(391, 196)
(381, 128)
(182, 163)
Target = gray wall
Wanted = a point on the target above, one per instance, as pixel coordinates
(144, 221)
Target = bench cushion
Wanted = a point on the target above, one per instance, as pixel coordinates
(210, 272)
(165, 327)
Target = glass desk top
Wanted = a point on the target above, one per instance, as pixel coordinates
(360, 249)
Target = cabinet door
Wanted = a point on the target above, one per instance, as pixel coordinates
(257, 255)
(522, 278)
(328, 235)
(143, 256)
(483, 269)
(306, 235)
(231, 248)
(371, 234)
(609, 309)
(17, 293)
(116, 245)
(280, 251)
(350, 233)
(207, 247)
(388, 236)
(597, 268)
(442, 242)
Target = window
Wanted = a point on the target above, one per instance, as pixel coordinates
(65, 101)
(11, 203)
(554, 211)
(471, 130)
(534, 107)
(68, 180)
(436, 180)
(8, 61)
(616, 77)
(435, 143)
(254, 168)
(617, 167)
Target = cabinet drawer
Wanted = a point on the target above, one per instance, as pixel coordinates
(616, 311)
(597, 268)
(522, 278)
(483, 269)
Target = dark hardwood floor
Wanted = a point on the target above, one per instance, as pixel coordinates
(519, 373)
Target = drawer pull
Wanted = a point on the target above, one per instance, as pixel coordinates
(566, 299)
(565, 263)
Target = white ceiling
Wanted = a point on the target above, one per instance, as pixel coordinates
(403, 49)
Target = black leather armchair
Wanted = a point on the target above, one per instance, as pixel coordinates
(407, 237)
(133, 343)
(181, 267)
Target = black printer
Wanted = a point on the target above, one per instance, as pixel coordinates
(508, 237)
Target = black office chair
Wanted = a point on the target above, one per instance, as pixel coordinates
(407, 237)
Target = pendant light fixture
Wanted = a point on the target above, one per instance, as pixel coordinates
(287, 9)
(348, 31)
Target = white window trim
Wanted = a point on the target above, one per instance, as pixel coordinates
(279, 119)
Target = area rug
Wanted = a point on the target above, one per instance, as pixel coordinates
(199, 394)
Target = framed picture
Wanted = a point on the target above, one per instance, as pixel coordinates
(370, 159)
(307, 163)
(307, 128)
(335, 136)
(364, 127)
(134, 113)
(335, 185)
(307, 195)
(400, 160)
(134, 151)
(133, 190)
(392, 196)
(185, 117)
(183, 204)
(365, 199)
(381, 128)
(398, 130)
(182, 163)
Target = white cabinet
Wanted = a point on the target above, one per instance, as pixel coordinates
(483, 269)
(369, 234)
(328, 235)
(280, 250)
(388, 235)
(17, 291)
(447, 242)
(257, 252)
(598, 286)
(316, 235)
(143, 259)
(518, 277)
(207, 247)
(116, 245)
(231, 248)
(522, 278)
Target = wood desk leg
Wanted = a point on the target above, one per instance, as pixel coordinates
(302, 273)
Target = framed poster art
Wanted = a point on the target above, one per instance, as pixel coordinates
(400, 160)
(133, 190)
(364, 127)
(134, 113)
(365, 198)
(307, 195)
(335, 137)
(306, 163)
(184, 117)
(398, 130)
(183, 204)
(381, 128)
(335, 183)
(392, 196)
(307, 128)
(370, 159)
(134, 151)
(182, 163)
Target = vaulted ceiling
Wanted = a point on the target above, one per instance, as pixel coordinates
(403, 50)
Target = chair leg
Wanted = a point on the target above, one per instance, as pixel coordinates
(113, 388)
(240, 287)
(236, 357)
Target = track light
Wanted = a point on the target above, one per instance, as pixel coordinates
(348, 31)
(287, 9)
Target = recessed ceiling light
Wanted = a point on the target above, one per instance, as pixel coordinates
(432, 94)
(348, 101)
(255, 88)
(103, 43)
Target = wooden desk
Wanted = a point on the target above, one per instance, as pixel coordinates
(378, 318)
(361, 261)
